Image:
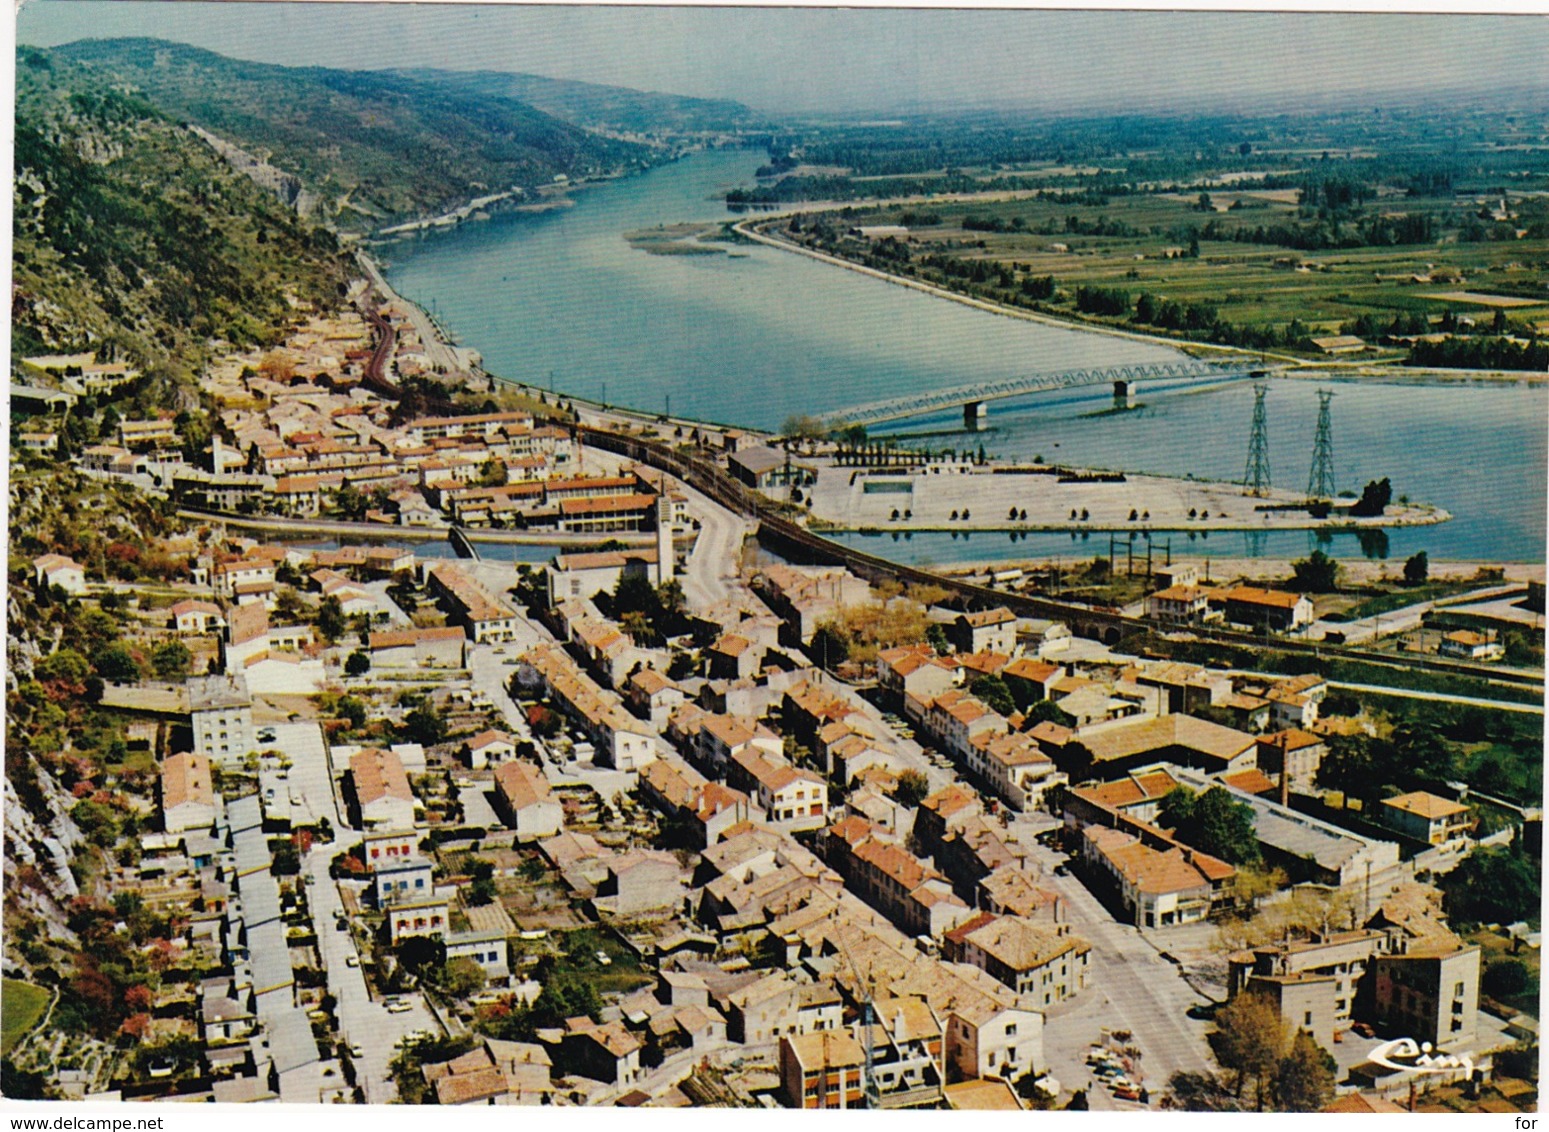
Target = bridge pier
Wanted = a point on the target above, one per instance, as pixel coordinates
(1121, 395)
(975, 414)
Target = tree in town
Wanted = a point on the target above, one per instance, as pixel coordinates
(1047, 711)
(462, 977)
(1213, 822)
(638, 627)
(170, 660)
(331, 622)
(830, 644)
(1417, 568)
(936, 635)
(1304, 1080)
(1250, 1041)
(425, 725)
(481, 887)
(1317, 573)
(991, 690)
(493, 472)
(1505, 978)
(913, 787)
(357, 663)
(1498, 884)
(353, 710)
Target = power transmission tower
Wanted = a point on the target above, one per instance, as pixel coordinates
(1320, 480)
(1256, 476)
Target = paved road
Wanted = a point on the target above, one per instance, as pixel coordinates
(1400, 620)
(362, 1022)
(1129, 987)
(712, 574)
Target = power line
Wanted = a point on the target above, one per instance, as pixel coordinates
(1320, 480)
(1255, 476)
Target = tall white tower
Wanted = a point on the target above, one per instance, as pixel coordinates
(665, 566)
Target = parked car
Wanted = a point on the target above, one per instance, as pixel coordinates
(399, 1008)
(1204, 1012)
(602, 957)
(352, 960)
(1127, 1094)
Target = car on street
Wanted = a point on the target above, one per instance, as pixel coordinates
(267, 735)
(1203, 1012)
(352, 960)
(357, 1052)
(399, 1007)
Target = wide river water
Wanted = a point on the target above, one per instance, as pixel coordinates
(561, 299)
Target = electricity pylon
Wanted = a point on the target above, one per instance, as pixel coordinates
(1320, 480)
(1256, 476)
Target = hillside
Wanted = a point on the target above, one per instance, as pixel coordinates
(593, 106)
(374, 147)
(134, 239)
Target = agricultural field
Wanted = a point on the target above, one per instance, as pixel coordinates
(21, 1005)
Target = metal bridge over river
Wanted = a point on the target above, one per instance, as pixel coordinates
(974, 398)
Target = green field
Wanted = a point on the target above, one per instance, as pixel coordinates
(21, 1005)
(1140, 243)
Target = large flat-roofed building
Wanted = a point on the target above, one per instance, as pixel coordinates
(1307, 848)
(416, 648)
(762, 467)
(220, 711)
(187, 793)
(1122, 747)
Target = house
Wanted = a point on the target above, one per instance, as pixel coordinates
(641, 881)
(381, 789)
(908, 1044)
(732, 656)
(1297, 753)
(792, 799)
(603, 1053)
(1265, 610)
(57, 570)
(805, 597)
(989, 630)
(1425, 817)
(1157, 887)
(1181, 739)
(401, 880)
(427, 916)
(1031, 680)
(913, 670)
(982, 1095)
(187, 793)
(487, 747)
(622, 742)
(526, 802)
(822, 1070)
(652, 696)
(388, 847)
(417, 648)
(1047, 964)
(496, 1072)
(485, 618)
(193, 616)
(1179, 605)
(1465, 644)
(580, 577)
(707, 809)
(1138, 796)
(220, 711)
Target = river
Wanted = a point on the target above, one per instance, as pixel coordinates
(560, 299)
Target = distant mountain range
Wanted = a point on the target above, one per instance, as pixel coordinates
(167, 197)
(374, 147)
(594, 107)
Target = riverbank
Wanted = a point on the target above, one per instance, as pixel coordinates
(958, 497)
(1300, 368)
(1353, 571)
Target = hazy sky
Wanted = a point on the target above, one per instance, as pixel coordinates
(852, 59)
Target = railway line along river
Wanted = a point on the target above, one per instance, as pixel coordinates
(561, 299)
